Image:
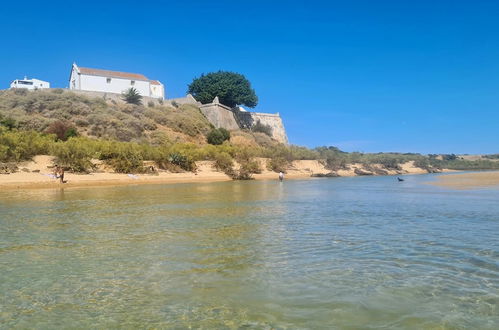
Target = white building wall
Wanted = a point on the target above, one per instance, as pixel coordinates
(74, 79)
(30, 84)
(158, 91)
(116, 85)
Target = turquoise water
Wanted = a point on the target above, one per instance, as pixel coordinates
(345, 253)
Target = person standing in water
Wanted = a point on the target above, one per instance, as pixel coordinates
(281, 176)
(59, 173)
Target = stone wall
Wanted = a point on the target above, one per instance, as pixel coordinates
(219, 115)
(188, 99)
(116, 97)
(275, 123)
(222, 116)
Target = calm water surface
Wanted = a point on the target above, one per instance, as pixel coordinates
(342, 253)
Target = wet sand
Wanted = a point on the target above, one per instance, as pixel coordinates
(468, 180)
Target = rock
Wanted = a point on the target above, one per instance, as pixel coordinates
(325, 175)
(7, 168)
(358, 171)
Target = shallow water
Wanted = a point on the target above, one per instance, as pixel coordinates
(346, 253)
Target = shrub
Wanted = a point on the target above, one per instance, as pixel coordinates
(132, 96)
(247, 169)
(224, 163)
(183, 161)
(62, 130)
(20, 91)
(217, 136)
(9, 123)
(150, 104)
(75, 153)
(277, 164)
(336, 163)
(23, 145)
(126, 159)
(248, 165)
(71, 132)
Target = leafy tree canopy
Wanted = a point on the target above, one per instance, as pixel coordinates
(231, 88)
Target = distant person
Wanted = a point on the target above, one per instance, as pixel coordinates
(59, 173)
(281, 176)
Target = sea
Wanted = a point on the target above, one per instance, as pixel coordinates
(325, 253)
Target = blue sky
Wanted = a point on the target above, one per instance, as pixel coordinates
(371, 76)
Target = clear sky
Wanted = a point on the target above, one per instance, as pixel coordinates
(409, 76)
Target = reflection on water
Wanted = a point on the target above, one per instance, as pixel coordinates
(340, 253)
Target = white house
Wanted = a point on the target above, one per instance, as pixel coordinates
(98, 80)
(29, 83)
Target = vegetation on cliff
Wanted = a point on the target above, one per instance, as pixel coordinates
(94, 117)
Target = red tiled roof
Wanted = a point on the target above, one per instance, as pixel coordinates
(155, 82)
(112, 74)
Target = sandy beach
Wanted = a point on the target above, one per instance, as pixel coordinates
(468, 180)
(38, 174)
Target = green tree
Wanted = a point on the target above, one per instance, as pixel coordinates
(132, 96)
(231, 88)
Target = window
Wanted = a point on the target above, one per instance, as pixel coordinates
(108, 80)
(132, 82)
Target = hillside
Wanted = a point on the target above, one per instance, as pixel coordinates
(94, 117)
(124, 138)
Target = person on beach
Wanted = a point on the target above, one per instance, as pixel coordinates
(281, 176)
(59, 173)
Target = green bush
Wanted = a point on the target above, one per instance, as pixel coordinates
(247, 169)
(8, 122)
(127, 160)
(23, 145)
(74, 153)
(183, 161)
(217, 136)
(278, 164)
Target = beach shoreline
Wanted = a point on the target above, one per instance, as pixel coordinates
(37, 174)
(468, 180)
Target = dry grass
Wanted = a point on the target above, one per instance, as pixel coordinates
(36, 110)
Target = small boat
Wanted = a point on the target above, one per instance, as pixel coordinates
(400, 180)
